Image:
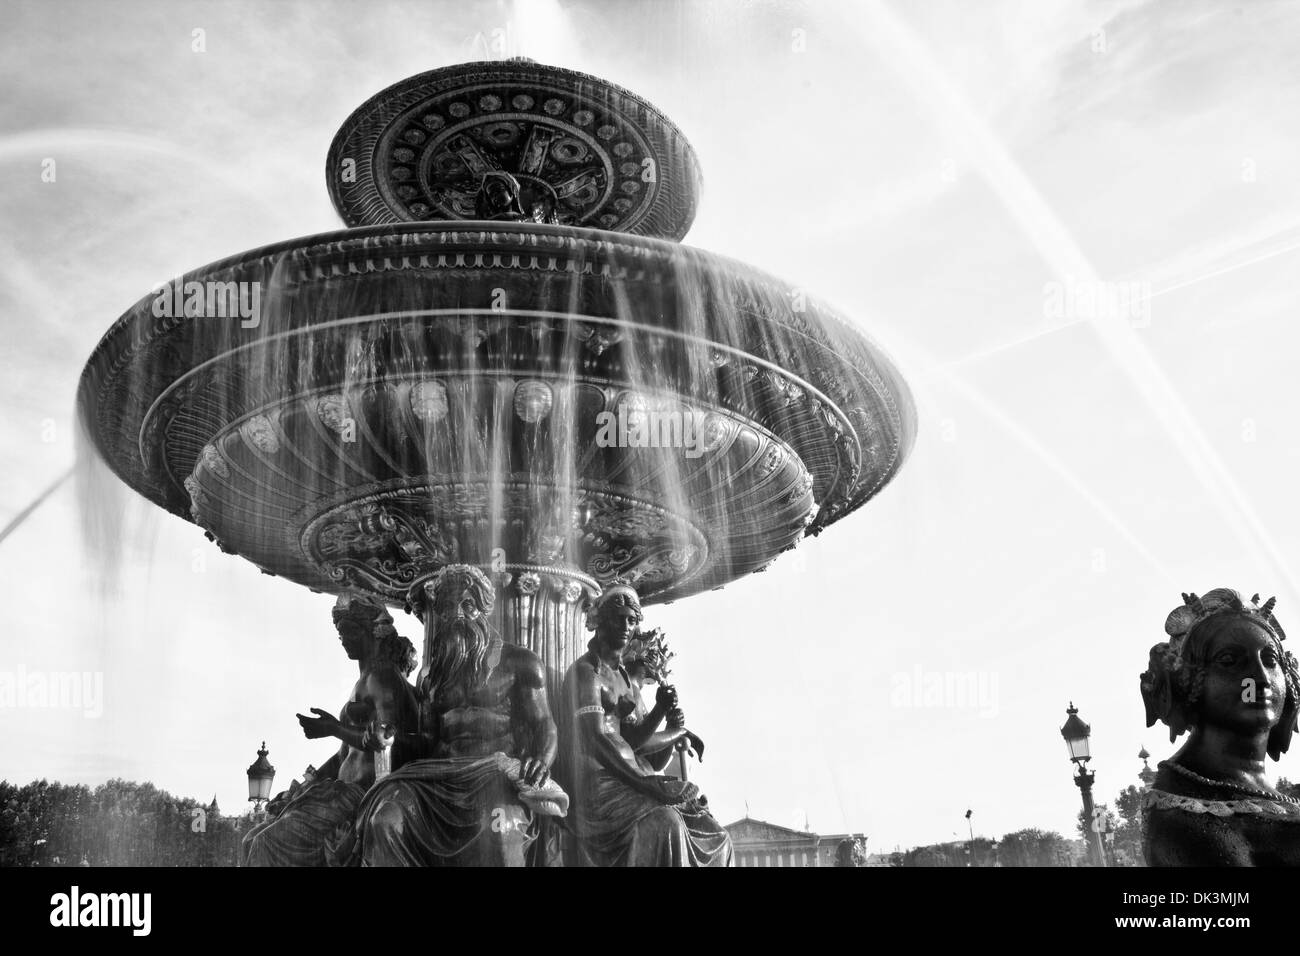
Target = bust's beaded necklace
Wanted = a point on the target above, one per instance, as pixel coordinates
(1239, 787)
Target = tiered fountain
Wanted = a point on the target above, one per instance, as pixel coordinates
(431, 385)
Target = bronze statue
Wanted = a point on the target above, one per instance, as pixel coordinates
(1223, 675)
(499, 198)
(851, 851)
(308, 823)
(488, 738)
(624, 812)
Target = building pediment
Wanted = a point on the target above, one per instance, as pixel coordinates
(760, 831)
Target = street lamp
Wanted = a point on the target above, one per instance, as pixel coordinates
(970, 828)
(260, 775)
(1146, 774)
(1076, 734)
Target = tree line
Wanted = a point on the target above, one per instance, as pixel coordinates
(1120, 829)
(118, 823)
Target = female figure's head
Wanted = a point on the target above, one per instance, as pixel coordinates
(1224, 667)
(367, 633)
(615, 616)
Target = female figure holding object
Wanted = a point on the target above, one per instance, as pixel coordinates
(624, 812)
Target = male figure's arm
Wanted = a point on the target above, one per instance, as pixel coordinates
(534, 713)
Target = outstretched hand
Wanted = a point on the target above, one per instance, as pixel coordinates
(324, 724)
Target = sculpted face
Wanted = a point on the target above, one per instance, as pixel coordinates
(464, 600)
(1244, 686)
(464, 595)
(352, 634)
(618, 624)
(357, 623)
(498, 194)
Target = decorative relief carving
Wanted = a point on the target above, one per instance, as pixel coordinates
(594, 155)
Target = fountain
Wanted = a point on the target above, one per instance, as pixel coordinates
(507, 360)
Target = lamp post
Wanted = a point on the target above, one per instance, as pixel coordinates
(970, 829)
(260, 776)
(1146, 774)
(1076, 734)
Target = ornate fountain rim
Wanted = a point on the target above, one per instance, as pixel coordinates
(433, 245)
(369, 137)
(856, 414)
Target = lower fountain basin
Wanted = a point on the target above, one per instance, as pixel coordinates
(353, 410)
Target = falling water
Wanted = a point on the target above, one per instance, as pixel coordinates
(562, 406)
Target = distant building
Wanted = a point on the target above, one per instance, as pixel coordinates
(759, 843)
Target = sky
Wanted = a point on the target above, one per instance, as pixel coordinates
(1075, 226)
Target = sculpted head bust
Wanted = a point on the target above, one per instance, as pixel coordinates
(459, 632)
(1223, 666)
(615, 615)
(1225, 677)
(499, 198)
(460, 591)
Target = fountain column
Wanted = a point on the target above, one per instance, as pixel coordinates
(544, 610)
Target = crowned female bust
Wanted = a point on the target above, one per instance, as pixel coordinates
(1224, 676)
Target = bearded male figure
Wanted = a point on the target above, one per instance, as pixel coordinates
(308, 824)
(488, 738)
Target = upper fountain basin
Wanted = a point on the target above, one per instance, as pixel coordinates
(591, 152)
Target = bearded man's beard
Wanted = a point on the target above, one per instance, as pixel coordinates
(458, 658)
